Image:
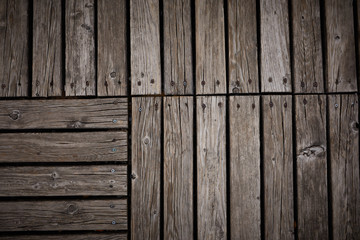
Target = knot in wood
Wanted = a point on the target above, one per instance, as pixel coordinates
(153, 81)
(146, 141)
(76, 124)
(237, 83)
(315, 84)
(172, 83)
(203, 106)
(270, 79)
(139, 83)
(285, 104)
(249, 81)
(271, 104)
(285, 80)
(302, 84)
(133, 176)
(253, 106)
(305, 101)
(218, 82)
(14, 115)
(113, 74)
(220, 104)
(3, 86)
(203, 82)
(355, 126)
(235, 90)
(72, 209)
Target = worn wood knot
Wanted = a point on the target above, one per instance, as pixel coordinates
(37, 83)
(217, 82)
(14, 115)
(235, 90)
(19, 83)
(314, 150)
(315, 84)
(302, 84)
(106, 84)
(271, 104)
(133, 176)
(337, 37)
(305, 101)
(152, 81)
(72, 209)
(203, 106)
(355, 126)
(146, 140)
(75, 124)
(185, 83)
(238, 106)
(249, 81)
(220, 104)
(139, 83)
(253, 106)
(172, 83)
(72, 85)
(51, 83)
(270, 79)
(113, 74)
(285, 80)
(156, 106)
(237, 83)
(285, 104)
(3, 86)
(142, 74)
(203, 82)
(87, 83)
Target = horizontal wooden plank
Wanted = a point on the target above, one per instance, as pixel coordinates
(63, 147)
(91, 236)
(74, 113)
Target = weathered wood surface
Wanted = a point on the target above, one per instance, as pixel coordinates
(145, 160)
(145, 47)
(178, 168)
(307, 66)
(312, 195)
(243, 52)
(47, 49)
(82, 236)
(211, 167)
(74, 113)
(80, 48)
(278, 167)
(63, 215)
(112, 63)
(275, 49)
(14, 49)
(210, 47)
(344, 162)
(245, 214)
(178, 69)
(340, 43)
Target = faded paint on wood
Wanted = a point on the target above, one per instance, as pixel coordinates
(82, 236)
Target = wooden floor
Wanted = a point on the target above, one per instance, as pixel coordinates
(159, 119)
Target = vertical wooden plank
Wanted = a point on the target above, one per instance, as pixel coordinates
(311, 167)
(112, 62)
(80, 48)
(344, 162)
(178, 168)
(145, 47)
(145, 198)
(278, 167)
(243, 55)
(14, 49)
(210, 47)
(245, 214)
(211, 167)
(308, 67)
(178, 70)
(275, 50)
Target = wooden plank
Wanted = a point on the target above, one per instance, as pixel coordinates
(278, 167)
(63, 181)
(275, 50)
(145, 47)
(308, 66)
(47, 49)
(210, 47)
(14, 49)
(245, 167)
(80, 48)
(146, 158)
(344, 162)
(178, 168)
(243, 52)
(312, 196)
(340, 46)
(112, 63)
(55, 114)
(63, 215)
(63, 147)
(211, 167)
(82, 236)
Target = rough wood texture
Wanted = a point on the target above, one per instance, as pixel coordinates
(178, 168)
(211, 167)
(80, 48)
(278, 167)
(178, 70)
(145, 47)
(340, 42)
(308, 66)
(245, 215)
(275, 50)
(63, 215)
(210, 47)
(312, 195)
(82, 236)
(146, 157)
(47, 49)
(111, 59)
(74, 113)
(14, 49)
(243, 52)
(344, 162)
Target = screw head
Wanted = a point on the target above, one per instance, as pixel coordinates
(113, 222)
(140, 109)
(114, 121)
(336, 105)
(112, 170)
(114, 149)
(185, 83)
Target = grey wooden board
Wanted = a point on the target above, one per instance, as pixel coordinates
(178, 168)
(63, 147)
(80, 48)
(47, 49)
(210, 47)
(278, 167)
(211, 167)
(92, 180)
(243, 51)
(145, 47)
(112, 76)
(311, 152)
(87, 236)
(14, 49)
(344, 163)
(74, 113)
(145, 160)
(63, 215)
(306, 30)
(275, 49)
(245, 213)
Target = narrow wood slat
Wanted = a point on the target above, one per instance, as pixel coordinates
(82, 236)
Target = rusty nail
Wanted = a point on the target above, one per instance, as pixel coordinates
(271, 104)
(112, 170)
(113, 74)
(113, 222)
(270, 79)
(114, 121)
(203, 82)
(140, 109)
(152, 81)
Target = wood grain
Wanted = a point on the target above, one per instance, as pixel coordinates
(82, 236)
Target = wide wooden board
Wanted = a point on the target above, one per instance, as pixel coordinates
(81, 236)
